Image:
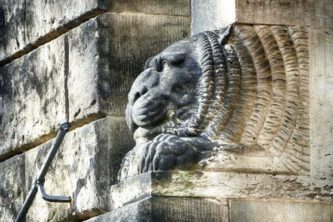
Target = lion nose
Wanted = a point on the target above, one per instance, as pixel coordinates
(136, 93)
(140, 93)
(145, 81)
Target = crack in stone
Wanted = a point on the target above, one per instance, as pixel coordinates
(46, 137)
(66, 73)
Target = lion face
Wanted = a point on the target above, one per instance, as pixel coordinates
(166, 91)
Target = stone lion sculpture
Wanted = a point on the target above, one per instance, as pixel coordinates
(232, 89)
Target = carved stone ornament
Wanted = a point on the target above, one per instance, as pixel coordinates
(232, 99)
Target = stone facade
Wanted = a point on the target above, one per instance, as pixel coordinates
(73, 61)
(77, 61)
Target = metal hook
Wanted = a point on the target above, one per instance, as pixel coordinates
(51, 198)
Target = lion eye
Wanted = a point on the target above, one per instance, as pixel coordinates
(166, 65)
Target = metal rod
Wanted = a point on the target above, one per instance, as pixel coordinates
(61, 134)
(52, 198)
(27, 203)
(39, 180)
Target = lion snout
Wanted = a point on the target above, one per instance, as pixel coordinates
(149, 109)
(147, 80)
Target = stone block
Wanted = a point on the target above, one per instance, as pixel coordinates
(108, 53)
(277, 211)
(157, 7)
(235, 196)
(12, 38)
(29, 24)
(32, 98)
(321, 105)
(285, 12)
(169, 209)
(205, 209)
(212, 14)
(138, 211)
(219, 185)
(84, 168)
(83, 75)
(12, 190)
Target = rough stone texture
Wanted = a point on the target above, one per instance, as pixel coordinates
(278, 211)
(131, 190)
(109, 59)
(169, 209)
(157, 7)
(239, 196)
(87, 165)
(254, 161)
(13, 26)
(287, 12)
(84, 168)
(321, 105)
(138, 211)
(225, 210)
(219, 185)
(12, 176)
(214, 14)
(52, 76)
(32, 98)
(31, 23)
(83, 72)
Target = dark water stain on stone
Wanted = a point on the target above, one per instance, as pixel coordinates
(2, 18)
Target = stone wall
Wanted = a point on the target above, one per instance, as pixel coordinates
(76, 61)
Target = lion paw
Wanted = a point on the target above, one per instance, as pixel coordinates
(166, 152)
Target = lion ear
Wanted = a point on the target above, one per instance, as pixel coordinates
(147, 63)
(224, 34)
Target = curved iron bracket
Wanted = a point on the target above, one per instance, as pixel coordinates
(52, 198)
(38, 183)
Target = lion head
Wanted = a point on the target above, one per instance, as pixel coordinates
(166, 91)
(172, 94)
